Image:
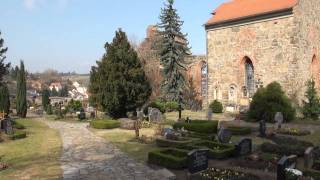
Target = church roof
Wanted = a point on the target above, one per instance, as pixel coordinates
(239, 9)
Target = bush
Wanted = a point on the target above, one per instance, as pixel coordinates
(105, 124)
(158, 104)
(169, 158)
(235, 130)
(17, 125)
(161, 142)
(172, 106)
(216, 106)
(268, 101)
(203, 136)
(208, 127)
(18, 135)
(217, 150)
(311, 107)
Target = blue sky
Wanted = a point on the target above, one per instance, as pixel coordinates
(69, 35)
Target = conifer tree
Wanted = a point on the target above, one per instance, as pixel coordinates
(4, 68)
(311, 107)
(45, 99)
(94, 88)
(172, 55)
(4, 99)
(54, 92)
(120, 77)
(21, 92)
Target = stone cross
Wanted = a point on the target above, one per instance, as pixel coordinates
(278, 119)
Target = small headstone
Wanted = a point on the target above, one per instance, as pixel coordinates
(209, 115)
(262, 128)
(278, 118)
(224, 135)
(309, 157)
(6, 125)
(285, 162)
(154, 115)
(244, 147)
(198, 160)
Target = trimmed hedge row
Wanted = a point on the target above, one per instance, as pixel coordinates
(208, 127)
(105, 124)
(217, 150)
(18, 135)
(161, 142)
(17, 125)
(169, 158)
(235, 130)
(203, 136)
(283, 149)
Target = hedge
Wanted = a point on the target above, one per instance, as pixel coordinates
(161, 142)
(283, 149)
(17, 125)
(18, 135)
(203, 136)
(235, 130)
(169, 158)
(217, 150)
(216, 107)
(311, 173)
(105, 124)
(208, 127)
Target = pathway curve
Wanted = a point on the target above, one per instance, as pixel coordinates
(86, 156)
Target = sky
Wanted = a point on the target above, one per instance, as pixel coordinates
(69, 35)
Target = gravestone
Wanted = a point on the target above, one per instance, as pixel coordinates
(262, 128)
(198, 160)
(140, 115)
(244, 147)
(166, 131)
(285, 162)
(278, 118)
(6, 125)
(309, 157)
(209, 115)
(154, 115)
(224, 135)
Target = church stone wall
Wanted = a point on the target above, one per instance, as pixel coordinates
(270, 45)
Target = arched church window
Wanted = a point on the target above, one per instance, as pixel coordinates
(204, 75)
(249, 77)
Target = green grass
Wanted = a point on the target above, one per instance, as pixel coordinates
(35, 157)
(126, 142)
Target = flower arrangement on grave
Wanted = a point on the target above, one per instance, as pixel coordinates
(292, 174)
(220, 174)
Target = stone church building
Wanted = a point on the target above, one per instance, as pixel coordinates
(251, 43)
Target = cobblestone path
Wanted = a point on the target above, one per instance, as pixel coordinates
(86, 156)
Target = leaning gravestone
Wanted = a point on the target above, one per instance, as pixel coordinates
(309, 157)
(262, 128)
(278, 118)
(224, 135)
(244, 147)
(284, 163)
(198, 160)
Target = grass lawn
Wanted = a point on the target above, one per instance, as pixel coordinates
(126, 142)
(35, 157)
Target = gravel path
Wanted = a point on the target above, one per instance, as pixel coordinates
(86, 156)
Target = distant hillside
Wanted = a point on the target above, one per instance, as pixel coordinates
(83, 79)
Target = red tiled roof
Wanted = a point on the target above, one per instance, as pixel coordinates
(237, 9)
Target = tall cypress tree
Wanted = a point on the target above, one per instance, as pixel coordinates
(172, 56)
(4, 68)
(94, 88)
(45, 99)
(4, 99)
(21, 92)
(123, 84)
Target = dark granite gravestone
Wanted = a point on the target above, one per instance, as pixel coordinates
(309, 157)
(244, 147)
(262, 128)
(6, 125)
(285, 162)
(198, 160)
(224, 135)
